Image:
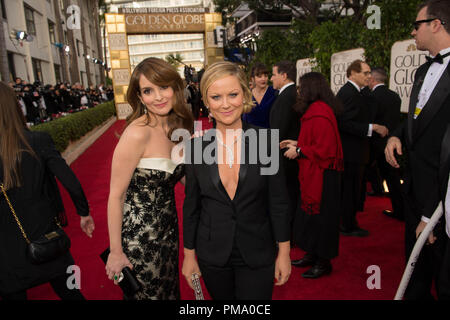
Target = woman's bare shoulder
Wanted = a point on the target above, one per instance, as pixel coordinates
(137, 130)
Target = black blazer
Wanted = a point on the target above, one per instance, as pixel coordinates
(387, 114)
(282, 115)
(423, 139)
(353, 124)
(254, 220)
(34, 203)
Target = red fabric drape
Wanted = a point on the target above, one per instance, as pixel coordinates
(321, 146)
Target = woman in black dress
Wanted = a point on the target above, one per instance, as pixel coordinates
(29, 163)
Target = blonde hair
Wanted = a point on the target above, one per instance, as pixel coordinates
(222, 69)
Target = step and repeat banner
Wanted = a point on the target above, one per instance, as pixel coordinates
(405, 59)
(339, 64)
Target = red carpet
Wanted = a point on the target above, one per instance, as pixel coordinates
(348, 281)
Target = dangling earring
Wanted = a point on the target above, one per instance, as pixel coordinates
(144, 108)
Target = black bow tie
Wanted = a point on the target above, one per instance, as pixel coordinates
(438, 58)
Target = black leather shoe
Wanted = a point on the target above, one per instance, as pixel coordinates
(357, 232)
(392, 214)
(318, 270)
(306, 261)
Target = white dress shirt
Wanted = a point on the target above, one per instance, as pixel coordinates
(285, 86)
(432, 77)
(447, 209)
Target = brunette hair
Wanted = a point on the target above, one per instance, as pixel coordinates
(160, 73)
(287, 67)
(439, 9)
(313, 87)
(222, 69)
(259, 69)
(12, 138)
(355, 66)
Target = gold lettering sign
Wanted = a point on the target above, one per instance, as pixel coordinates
(164, 23)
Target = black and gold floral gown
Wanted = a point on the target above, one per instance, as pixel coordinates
(150, 228)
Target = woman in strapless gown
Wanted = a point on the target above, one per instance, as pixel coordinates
(150, 227)
(142, 216)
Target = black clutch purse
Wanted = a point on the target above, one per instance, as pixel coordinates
(129, 283)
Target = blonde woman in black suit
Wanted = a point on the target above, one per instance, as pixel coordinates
(235, 217)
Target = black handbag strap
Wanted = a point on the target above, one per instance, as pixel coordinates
(15, 215)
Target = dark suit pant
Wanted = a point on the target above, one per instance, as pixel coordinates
(237, 281)
(392, 177)
(351, 194)
(444, 277)
(430, 261)
(59, 285)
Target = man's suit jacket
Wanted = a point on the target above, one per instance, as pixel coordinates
(423, 140)
(387, 114)
(353, 124)
(282, 115)
(253, 220)
(284, 118)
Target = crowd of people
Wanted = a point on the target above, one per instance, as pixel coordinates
(239, 222)
(42, 103)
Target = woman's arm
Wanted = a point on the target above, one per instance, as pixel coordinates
(59, 168)
(191, 216)
(125, 159)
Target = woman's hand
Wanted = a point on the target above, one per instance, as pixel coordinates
(115, 264)
(190, 266)
(87, 225)
(291, 153)
(283, 264)
(287, 143)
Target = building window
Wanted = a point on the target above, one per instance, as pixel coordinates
(29, 19)
(57, 73)
(78, 47)
(51, 31)
(37, 70)
(2, 2)
(12, 68)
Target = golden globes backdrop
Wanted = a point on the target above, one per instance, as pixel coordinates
(153, 20)
(304, 66)
(339, 63)
(405, 59)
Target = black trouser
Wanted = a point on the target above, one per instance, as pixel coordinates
(392, 177)
(444, 277)
(59, 285)
(352, 179)
(237, 281)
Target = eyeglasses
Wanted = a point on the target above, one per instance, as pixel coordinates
(416, 24)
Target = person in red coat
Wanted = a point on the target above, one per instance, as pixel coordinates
(320, 157)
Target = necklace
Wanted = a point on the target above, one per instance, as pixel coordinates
(229, 150)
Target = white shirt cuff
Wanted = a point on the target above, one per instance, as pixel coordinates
(369, 133)
(425, 219)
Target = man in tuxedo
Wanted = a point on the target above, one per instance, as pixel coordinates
(423, 134)
(387, 114)
(355, 128)
(287, 121)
